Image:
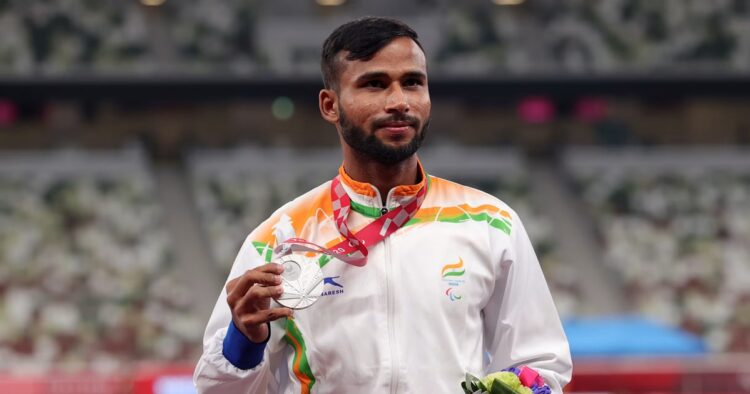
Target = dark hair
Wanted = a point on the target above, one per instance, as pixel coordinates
(362, 38)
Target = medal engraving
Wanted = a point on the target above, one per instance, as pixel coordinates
(292, 270)
(302, 281)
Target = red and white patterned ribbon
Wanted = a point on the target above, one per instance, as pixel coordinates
(353, 250)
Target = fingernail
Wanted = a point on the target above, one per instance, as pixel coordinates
(277, 278)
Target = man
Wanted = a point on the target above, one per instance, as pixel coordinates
(451, 283)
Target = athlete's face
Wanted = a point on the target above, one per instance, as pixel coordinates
(382, 105)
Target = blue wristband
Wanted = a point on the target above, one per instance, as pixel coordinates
(240, 350)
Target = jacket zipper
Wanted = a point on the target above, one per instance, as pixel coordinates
(391, 316)
(389, 279)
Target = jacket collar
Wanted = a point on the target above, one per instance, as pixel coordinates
(366, 197)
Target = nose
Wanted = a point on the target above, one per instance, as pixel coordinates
(396, 101)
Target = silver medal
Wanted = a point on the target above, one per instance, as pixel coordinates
(302, 281)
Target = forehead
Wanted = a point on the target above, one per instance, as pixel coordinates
(400, 56)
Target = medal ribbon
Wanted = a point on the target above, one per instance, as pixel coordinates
(353, 249)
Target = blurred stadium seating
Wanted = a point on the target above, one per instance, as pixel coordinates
(675, 226)
(87, 275)
(242, 37)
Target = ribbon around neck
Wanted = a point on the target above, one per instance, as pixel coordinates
(353, 249)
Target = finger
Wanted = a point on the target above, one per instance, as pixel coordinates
(267, 275)
(237, 288)
(261, 292)
(231, 284)
(266, 315)
(271, 268)
(263, 275)
(257, 298)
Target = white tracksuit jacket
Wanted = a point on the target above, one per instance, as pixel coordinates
(457, 289)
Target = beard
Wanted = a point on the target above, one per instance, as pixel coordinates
(372, 147)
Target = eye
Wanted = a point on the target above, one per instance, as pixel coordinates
(374, 83)
(413, 82)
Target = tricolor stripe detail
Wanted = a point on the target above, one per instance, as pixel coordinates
(300, 365)
(494, 216)
(453, 269)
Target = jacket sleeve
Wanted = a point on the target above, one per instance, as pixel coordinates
(214, 373)
(521, 324)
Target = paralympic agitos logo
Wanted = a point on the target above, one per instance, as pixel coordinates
(453, 276)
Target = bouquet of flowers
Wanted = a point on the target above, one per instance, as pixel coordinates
(521, 380)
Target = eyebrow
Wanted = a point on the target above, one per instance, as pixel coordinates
(382, 74)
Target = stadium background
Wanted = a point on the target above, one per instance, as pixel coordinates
(141, 141)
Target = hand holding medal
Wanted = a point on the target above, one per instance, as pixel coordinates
(249, 298)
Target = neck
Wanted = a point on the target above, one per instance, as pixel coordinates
(383, 177)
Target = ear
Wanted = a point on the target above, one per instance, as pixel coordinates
(328, 101)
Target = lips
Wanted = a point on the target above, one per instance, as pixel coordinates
(396, 126)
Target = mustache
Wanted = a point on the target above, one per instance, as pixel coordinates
(382, 122)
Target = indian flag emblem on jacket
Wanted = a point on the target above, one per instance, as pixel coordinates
(453, 277)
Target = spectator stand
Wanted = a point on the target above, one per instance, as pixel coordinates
(675, 226)
(87, 276)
